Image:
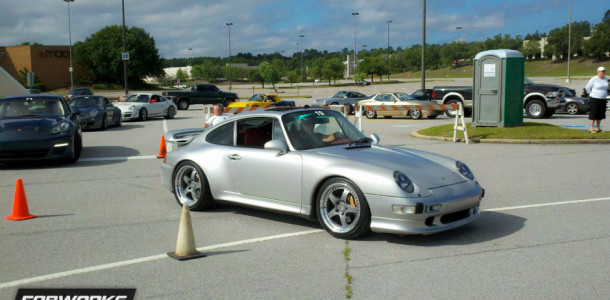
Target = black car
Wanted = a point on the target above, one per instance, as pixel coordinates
(97, 112)
(79, 92)
(574, 104)
(39, 127)
(423, 94)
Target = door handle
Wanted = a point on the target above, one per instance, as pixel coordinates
(234, 157)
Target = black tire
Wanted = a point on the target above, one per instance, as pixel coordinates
(183, 104)
(342, 209)
(335, 103)
(387, 117)
(228, 101)
(371, 114)
(432, 116)
(535, 109)
(549, 113)
(572, 109)
(143, 114)
(451, 113)
(191, 187)
(104, 125)
(415, 114)
(77, 148)
(171, 112)
(348, 109)
(120, 123)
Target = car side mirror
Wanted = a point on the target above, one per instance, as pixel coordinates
(277, 145)
(375, 138)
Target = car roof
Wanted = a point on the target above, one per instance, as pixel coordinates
(47, 96)
(280, 111)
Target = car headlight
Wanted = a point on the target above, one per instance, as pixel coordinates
(94, 113)
(464, 170)
(403, 182)
(131, 108)
(61, 127)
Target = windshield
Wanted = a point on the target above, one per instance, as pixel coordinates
(28, 107)
(257, 97)
(404, 96)
(87, 102)
(138, 98)
(319, 128)
(527, 80)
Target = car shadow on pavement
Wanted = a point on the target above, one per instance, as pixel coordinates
(490, 226)
(264, 214)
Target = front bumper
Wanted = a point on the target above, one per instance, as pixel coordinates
(44, 149)
(459, 205)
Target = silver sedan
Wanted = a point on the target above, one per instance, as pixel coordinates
(314, 163)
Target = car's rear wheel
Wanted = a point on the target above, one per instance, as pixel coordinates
(451, 113)
(228, 101)
(77, 148)
(171, 112)
(342, 209)
(120, 122)
(191, 186)
(104, 125)
(371, 114)
(143, 115)
(415, 114)
(348, 109)
(183, 104)
(535, 109)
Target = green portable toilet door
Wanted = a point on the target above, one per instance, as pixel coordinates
(488, 85)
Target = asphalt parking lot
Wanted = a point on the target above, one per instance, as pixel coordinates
(105, 222)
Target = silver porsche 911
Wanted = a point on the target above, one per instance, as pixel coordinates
(314, 163)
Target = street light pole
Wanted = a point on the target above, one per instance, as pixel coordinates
(355, 50)
(70, 34)
(388, 60)
(124, 49)
(569, 41)
(302, 36)
(230, 75)
(458, 31)
(423, 50)
(191, 66)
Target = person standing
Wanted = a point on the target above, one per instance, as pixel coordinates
(597, 88)
(217, 116)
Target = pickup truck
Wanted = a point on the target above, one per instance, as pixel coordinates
(200, 94)
(536, 99)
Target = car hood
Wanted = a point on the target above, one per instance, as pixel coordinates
(85, 110)
(126, 105)
(427, 169)
(27, 127)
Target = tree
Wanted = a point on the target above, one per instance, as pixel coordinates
(271, 72)
(101, 55)
(531, 49)
(254, 75)
(599, 44)
(558, 39)
(181, 76)
(293, 76)
(332, 69)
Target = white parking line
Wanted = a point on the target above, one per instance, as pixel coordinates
(238, 243)
(118, 158)
(164, 126)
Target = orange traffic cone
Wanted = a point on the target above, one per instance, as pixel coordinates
(20, 204)
(185, 245)
(162, 149)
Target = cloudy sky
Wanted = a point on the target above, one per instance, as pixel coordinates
(267, 26)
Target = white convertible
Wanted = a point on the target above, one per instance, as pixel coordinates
(144, 106)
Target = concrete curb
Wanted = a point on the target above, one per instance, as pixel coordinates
(512, 141)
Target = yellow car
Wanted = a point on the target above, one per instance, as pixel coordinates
(262, 100)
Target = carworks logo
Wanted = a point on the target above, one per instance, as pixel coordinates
(75, 294)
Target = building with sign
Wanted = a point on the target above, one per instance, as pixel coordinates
(51, 64)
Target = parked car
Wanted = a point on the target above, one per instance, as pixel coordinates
(574, 104)
(79, 92)
(341, 98)
(397, 98)
(97, 112)
(33, 91)
(314, 163)
(200, 94)
(39, 127)
(263, 100)
(362, 83)
(144, 106)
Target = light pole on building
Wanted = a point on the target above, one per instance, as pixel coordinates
(388, 60)
(302, 36)
(230, 75)
(124, 49)
(70, 34)
(355, 50)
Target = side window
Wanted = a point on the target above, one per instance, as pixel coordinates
(278, 134)
(222, 135)
(254, 132)
(379, 97)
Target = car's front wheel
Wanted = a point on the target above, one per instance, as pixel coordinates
(171, 112)
(535, 109)
(342, 209)
(572, 108)
(415, 114)
(143, 115)
(191, 186)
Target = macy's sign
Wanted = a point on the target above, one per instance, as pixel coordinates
(54, 53)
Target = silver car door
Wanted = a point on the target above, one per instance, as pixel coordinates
(264, 173)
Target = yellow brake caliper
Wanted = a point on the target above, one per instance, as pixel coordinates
(351, 200)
